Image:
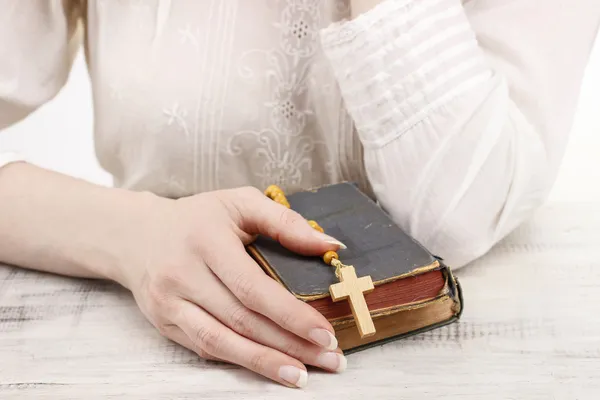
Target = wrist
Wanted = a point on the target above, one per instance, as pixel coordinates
(120, 236)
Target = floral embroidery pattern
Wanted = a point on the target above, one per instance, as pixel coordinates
(282, 165)
(177, 116)
(282, 148)
(289, 132)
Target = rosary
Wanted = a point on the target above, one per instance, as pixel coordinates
(350, 286)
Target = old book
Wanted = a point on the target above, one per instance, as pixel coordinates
(414, 290)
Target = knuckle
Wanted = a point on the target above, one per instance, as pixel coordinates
(294, 348)
(240, 320)
(258, 362)
(285, 320)
(208, 340)
(288, 218)
(245, 290)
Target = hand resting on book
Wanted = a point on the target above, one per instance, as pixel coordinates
(204, 291)
(184, 261)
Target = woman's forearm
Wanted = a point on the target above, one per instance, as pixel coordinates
(55, 223)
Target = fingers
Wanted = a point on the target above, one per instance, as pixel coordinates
(260, 215)
(259, 293)
(218, 301)
(208, 335)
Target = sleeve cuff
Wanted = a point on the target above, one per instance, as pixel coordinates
(400, 61)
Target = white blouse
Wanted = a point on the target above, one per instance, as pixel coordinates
(453, 115)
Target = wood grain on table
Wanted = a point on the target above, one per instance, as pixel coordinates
(530, 330)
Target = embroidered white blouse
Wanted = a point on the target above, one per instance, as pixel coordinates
(453, 114)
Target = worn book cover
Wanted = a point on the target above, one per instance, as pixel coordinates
(414, 291)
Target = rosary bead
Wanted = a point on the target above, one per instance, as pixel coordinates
(315, 226)
(280, 198)
(330, 255)
(272, 190)
(284, 203)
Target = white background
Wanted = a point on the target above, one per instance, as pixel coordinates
(59, 136)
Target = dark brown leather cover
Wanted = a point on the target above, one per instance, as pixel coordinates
(376, 245)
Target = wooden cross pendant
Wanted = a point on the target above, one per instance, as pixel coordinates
(352, 288)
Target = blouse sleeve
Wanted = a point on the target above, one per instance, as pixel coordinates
(38, 41)
(463, 109)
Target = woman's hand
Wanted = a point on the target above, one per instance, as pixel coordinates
(184, 260)
(187, 267)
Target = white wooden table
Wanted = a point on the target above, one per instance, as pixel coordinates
(530, 330)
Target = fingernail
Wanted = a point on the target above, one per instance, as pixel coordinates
(323, 338)
(332, 361)
(293, 375)
(329, 239)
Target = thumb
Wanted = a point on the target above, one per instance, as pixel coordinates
(260, 215)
